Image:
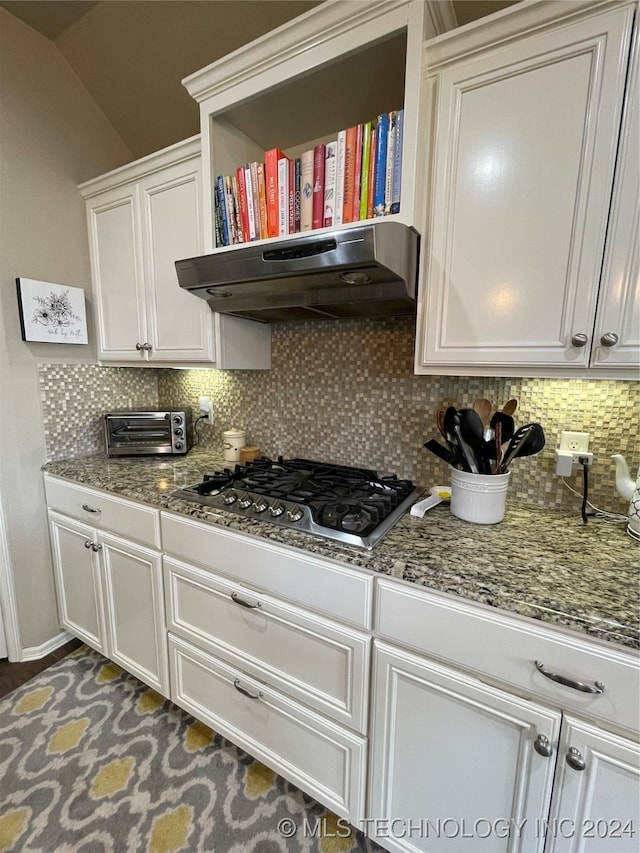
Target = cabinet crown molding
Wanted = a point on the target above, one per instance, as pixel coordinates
(510, 24)
(186, 149)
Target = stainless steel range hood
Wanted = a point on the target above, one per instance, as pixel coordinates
(365, 271)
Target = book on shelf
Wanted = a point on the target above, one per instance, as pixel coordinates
(357, 173)
(231, 213)
(262, 202)
(242, 197)
(306, 190)
(253, 169)
(217, 218)
(382, 132)
(330, 184)
(317, 204)
(271, 158)
(349, 171)
(388, 178)
(364, 171)
(251, 210)
(372, 171)
(396, 182)
(291, 211)
(222, 206)
(283, 195)
(236, 205)
(340, 149)
(296, 197)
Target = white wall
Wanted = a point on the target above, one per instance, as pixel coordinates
(52, 137)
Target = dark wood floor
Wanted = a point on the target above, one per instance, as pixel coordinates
(12, 675)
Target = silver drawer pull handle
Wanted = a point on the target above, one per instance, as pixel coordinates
(598, 686)
(235, 597)
(246, 692)
(88, 508)
(543, 746)
(574, 759)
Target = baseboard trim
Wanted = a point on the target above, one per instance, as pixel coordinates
(37, 652)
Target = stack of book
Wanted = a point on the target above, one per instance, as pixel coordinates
(354, 177)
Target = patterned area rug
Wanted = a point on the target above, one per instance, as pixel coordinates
(91, 760)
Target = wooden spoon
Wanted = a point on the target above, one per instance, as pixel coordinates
(483, 407)
(510, 406)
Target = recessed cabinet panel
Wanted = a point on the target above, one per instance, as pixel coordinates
(117, 274)
(180, 324)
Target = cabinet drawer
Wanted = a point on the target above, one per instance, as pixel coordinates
(104, 511)
(324, 760)
(317, 662)
(320, 585)
(505, 648)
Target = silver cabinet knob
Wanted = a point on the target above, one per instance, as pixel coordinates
(609, 340)
(139, 347)
(95, 547)
(543, 747)
(88, 544)
(147, 347)
(575, 759)
(579, 340)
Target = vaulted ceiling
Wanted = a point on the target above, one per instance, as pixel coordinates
(132, 54)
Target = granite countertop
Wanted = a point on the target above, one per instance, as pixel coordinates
(539, 563)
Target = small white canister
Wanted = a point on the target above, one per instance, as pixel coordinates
(233, 440)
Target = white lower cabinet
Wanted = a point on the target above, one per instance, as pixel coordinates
(457, 766)
(110, 595)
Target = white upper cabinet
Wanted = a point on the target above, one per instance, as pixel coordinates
(142, 218)
(340, 64)
(521, 116)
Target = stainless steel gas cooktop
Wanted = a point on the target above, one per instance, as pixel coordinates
(351, 505)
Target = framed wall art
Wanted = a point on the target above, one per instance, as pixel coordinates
(51, 313)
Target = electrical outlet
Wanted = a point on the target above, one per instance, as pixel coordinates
(574, 441)
(573, 450)
(206, 408)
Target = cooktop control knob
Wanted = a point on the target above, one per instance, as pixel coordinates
(260, 505)
(245, 502)
(229, 498)
(295, 513)
(276, 510)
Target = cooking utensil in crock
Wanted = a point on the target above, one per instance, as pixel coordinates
(472, 431)
(447, 455)
(510, 407)
(483, 407)
(507, 425)
(526, 441)
(451, 424)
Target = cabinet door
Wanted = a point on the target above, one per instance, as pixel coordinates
(118, 275)
(619, 306)
(596, 803)
(455, 765)
(77, 580)
(180, 325)
(524, 153)
(134, 606)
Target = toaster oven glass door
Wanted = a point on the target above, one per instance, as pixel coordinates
(149, 432)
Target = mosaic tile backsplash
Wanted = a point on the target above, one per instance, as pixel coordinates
(74, 397)
(345, 392)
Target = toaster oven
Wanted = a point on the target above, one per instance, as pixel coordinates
(135, 432)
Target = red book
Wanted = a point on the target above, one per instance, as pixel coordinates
(355, 212)
(292, 197)
(349, 173)
(271, 158)
(244, 211)
(319, 154)
(262, 199)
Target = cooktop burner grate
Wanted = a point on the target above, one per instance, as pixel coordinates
(352, 505)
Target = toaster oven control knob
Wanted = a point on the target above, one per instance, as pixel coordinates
(229, 498)
(295, 513)
(177, 431)
(260, 506)
(276, 510)
(245, 502)
(178, 445)
(177, 419)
